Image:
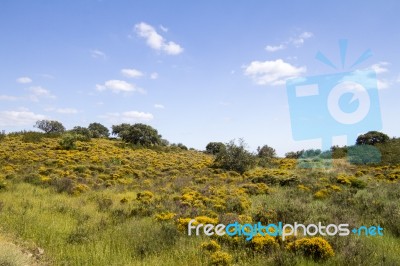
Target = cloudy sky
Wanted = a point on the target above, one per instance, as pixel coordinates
(198, 71)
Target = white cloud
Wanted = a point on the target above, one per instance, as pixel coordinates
(118, 86)
(19, 118)
(155, 40)
(154, 75)
(97, 54)
(272, 72)
(24, 80)
(271, 48)
(131, 73)
(38, 92)
(164, 29)
(380, 67)
(66, 111)
(7, 98)
(159, 106)
(299, 40)
(128, 117)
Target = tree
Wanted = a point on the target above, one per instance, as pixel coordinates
(215, 147)
(235, 157)
(119, 129)
(83, 132)
(50, 126)
(266, 152)
(372, 138)
(97, 130)
(138, 134)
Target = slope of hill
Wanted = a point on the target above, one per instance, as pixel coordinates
(105, 203)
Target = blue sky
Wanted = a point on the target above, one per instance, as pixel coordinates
(198, 71)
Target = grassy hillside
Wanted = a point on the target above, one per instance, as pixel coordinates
(105, 203)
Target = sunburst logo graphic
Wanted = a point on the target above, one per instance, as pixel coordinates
(336, 104)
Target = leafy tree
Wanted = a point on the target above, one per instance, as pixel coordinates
(235, 157)
(50, 126)
(119, 129)
(97, 130)
(138, 134)
(372, 138)
(266, 152)
(82, 131)
(215, 147)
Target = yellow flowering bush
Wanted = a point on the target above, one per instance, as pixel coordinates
(211, 246)
(263, 243)
(316, 248)
(221, 258)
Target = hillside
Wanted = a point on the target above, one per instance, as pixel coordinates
(106, 203)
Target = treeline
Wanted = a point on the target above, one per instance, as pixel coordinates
(138, 135)
(370, 148)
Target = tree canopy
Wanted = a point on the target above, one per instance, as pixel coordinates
(372, 138)
(50, 126)
(138, 134)
(97, 130)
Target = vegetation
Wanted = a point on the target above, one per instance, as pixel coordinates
(266, 152)
(235, 157)
(137, 134)
(50, 126)
(97, 130)
(67, 201)
(215, 147)
(372, 138)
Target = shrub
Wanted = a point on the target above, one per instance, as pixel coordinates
(316, 248)
(67, 142)
(321, 194)
(211, 246)
(165, 216)
(83, 133)
(265, 243)
(63, 184)
(235, 157)
(221, 258)
(32, 136)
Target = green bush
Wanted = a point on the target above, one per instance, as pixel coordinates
(32, 137)
(82, 133)
(235, 157)
(67, 142)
